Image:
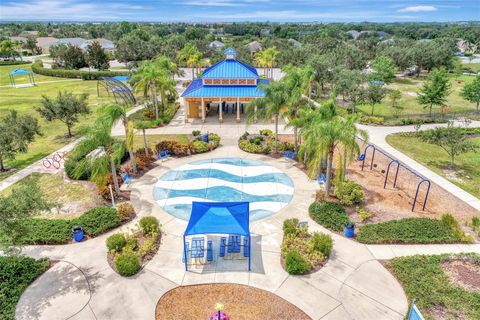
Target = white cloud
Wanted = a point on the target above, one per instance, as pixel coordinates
(418, 9)
(64, 9)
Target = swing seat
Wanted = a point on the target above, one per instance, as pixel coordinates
(361, 157)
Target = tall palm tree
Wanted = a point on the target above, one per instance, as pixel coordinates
(270, 106)
(270, 59)
(145, 82)
(143, 125)
(166, 64)
(260, 58)
(118, 113)
(325, 133)
(189, 55)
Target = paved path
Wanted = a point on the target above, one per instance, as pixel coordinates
(37, 167)
(337, 291)
(378, 137)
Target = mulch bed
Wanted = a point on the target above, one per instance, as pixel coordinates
(240, 303)
(464, 273)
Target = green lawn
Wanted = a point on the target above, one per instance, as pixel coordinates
(467, 175)
(24, 100)
(411, 86)
(425, 280)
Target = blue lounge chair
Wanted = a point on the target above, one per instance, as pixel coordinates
(223, 244)
(289, 154)
(209, 251)
(164, 154)
(234, 244)
(246, 251)
(321, 179)
(198, 248)
(127, 178)
(361, 157)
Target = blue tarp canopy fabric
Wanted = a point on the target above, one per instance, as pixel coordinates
(19, 71)
(232, 218)
(219, 218)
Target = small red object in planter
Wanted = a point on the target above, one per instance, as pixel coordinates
(211, 146)
(223, 316)
(459, 82)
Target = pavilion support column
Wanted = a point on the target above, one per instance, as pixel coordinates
(255, 112)
(203, 110)
(220, 111)
(238, 110)
(187, 110)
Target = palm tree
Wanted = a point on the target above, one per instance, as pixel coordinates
(270, 106)
(166, 64)
(105, 162)
(270, 56)
(146, 79)
(118, 113)
(325, 133)
(144, 125)
(190, 56)
(260, 58)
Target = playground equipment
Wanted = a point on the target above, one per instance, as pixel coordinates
(54, 161)
(421, 179)
(18, 72)
(119, 89)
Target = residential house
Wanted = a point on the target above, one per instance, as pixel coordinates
(217, 45)
(254, 47)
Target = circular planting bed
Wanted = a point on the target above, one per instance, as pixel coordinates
(239, 301)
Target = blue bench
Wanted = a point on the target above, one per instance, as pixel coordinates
(290, 155)
(163, 154)
(321, 179)
(127, 178)
(361, 157)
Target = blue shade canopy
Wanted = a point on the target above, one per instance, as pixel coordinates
(20, 71)
(121, 78)
(219, 218)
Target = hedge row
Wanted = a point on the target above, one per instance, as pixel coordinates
(58, 231)
(13, 63)
(16, 274)
(409, 230)
(38, 68)
(331, 215)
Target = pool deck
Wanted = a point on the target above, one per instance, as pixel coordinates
(352, 285)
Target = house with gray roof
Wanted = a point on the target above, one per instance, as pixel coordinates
(254, 47)
(216, 45)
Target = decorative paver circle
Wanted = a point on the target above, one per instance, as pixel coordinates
(267, 188)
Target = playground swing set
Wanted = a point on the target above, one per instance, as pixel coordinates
(422, 180)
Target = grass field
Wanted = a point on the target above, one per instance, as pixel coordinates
(24, 100)
(410, 87)
(466, 174)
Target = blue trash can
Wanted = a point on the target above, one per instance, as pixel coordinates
(349, 230)
(78, 234)
(204, 137)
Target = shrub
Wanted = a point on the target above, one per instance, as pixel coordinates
(201, 146)
(131, 243)
(16, 274)
(196, 133)
(149, 225)
(295, 263)
(349, 192)
(331, 215)
(453, 224)
(250, 147)
(125, 210)
(409, 230)
(127, 264)
(266, 150)
(116, 242)
(13, 62)
(364, 215)
(266, 132)
(147, 246)
(322, 242)
(99, 220)
(38, 68)
(215, 139)
(290, 226)
(372, 120)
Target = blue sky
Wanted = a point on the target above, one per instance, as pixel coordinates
(240, 10)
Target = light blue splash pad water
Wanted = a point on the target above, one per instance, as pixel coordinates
(224, 179)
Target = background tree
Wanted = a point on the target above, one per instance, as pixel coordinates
(374, 95)
(189, 56)
(471, 92)
(394, 96)
(15, 209)
(9, 49)
(145, 81)
(67, 56)
(31, 44)
(454, 140)
(383, 70)
(16, 132)
(66, 108)
(96, 57)
(435, 90)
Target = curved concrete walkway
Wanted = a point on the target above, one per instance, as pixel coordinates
(352, 285)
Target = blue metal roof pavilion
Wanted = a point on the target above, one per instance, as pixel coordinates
(231, 218)
(228, 81)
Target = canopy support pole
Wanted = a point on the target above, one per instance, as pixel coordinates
(238, 110)
(249, 251)
(185, 253)
(203, 110)
(220, 112)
